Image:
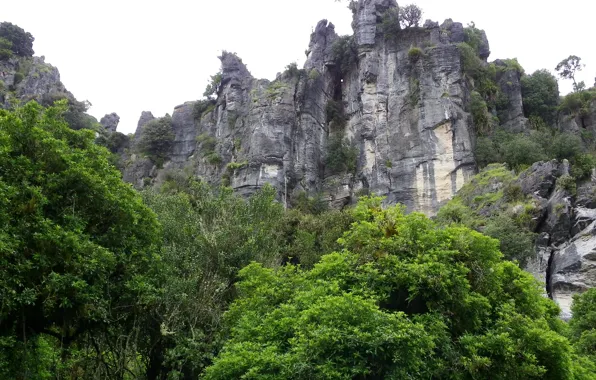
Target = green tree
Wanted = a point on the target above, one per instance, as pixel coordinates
(403, 299)
(208, 236)
(540, 93)
(522, 151)
(5, 49)
(75, 241)
(567, 69)
(22, 42)
(156, 139)
(213, 87)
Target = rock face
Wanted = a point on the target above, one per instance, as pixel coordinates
(23, 79)
(581, 120)
(404, 115)
(511, 115)
(110, 122)
(566, 248)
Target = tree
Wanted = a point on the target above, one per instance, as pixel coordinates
(22, 42)
(75, 241)
(567, 69)
(208, 235)
(410, 16)
(213, 87)
(5, 49)
(540, 94)
(156, 139)
(403, 299)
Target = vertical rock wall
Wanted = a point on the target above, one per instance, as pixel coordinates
(406, 116)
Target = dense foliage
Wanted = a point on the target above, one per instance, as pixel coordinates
(540, 92)
(404, 299)
(21, 42)
(74, 238)
(156, 139)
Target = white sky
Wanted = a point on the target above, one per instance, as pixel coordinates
(129, 56)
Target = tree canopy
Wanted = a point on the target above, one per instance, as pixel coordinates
(21, 41)
(74, 239)
(403, 299)
(567, 69)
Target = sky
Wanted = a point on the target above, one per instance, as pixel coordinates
(129, 56)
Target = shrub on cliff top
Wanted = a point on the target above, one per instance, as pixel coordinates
(21, 41)
(157, 138)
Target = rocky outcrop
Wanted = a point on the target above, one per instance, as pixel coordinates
(581, 119)
(510, 108)
(145, 118)
(27, 78)
(110, 122)
(565, 258)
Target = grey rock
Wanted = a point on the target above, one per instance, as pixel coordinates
(320, 49)
(452, 32)
(145, 118)
(430, 24)
(512, 116)
(110, 122)
(367, 14)
(484, 48)
(540, 179)
(139, 171)
(586, 194)
(558, 222)
(579, 121)
(573, 268)
(185, 133)
(41, 79)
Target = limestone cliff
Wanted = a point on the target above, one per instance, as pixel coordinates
(396, 104)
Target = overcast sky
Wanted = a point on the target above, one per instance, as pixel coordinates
(129, 56)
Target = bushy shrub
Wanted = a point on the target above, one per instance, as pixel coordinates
(5, 49)
(414, 53)
(345, 53)
(402, 299)
(516, 244)
(567, 183)
(156, 139)
(473, 37)
(521, 152)
(212, 89)
(334, 112)
(578, 103)
(390, 26)
(540, 94)
(582, 166)
(315, 204)
(480, 115)
(18, 78)
(341, 155)
(292, 70)
(486, 152)
(202, 107)
(565, 146)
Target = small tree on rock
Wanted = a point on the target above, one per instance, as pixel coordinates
(410, 16)
(567, 69)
